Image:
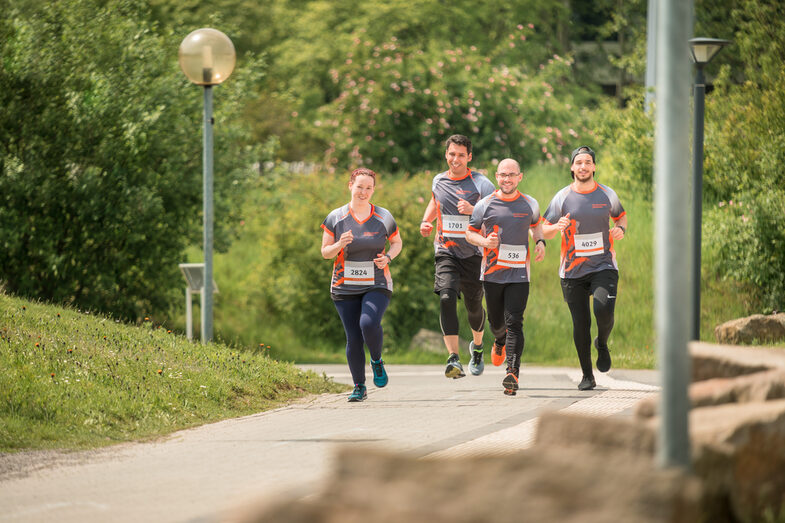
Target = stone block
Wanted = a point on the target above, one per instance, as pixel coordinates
(569, 430)
(550, 485)
(429, 341)
(739, 452)
(758, 328)
(727, 361)
(761, 386)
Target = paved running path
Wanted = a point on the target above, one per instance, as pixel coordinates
(199, 474)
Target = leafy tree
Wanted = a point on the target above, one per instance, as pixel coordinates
(100, 155)
(397, 104)
(745, 151)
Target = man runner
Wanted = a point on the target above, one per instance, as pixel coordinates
(581, 212)
(457, 263)
(500, 224)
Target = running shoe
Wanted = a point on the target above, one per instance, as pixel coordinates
(359, 393)
(379, 374)
(510, 382)
(603, 357)
(498, 355)
(587, 383)
(476, 365)
(454, 368)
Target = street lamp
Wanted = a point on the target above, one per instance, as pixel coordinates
(207, 58)
(702, 50)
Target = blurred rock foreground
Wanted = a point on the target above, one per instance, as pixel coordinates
(585, 468)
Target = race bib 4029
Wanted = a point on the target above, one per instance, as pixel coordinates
(589, 244)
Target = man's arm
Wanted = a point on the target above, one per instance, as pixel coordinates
(430, 214)
(620, 229)
(475, 238)
(549, 230)
(539, 247)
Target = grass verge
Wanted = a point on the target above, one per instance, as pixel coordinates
(73, 380)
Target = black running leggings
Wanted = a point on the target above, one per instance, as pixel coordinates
(506, 303)
(448, 312)
(601, 286)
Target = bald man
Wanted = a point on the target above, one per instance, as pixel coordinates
(500, 224)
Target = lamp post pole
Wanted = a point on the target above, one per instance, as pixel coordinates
(207, 190)
(207, 58)
(697, 199)
(702, 51)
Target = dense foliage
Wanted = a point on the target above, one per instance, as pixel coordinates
(100, 155)
(745, 152)
(396, 103)
(100, 146)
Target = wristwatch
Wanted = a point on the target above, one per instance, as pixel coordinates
(540, 240)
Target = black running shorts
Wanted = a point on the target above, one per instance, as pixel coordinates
(459, 274)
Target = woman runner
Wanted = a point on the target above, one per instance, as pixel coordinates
(356, 236)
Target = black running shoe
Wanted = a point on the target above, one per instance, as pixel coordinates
(454, 368)
(587, 383)
(510, 381)
(603, 357)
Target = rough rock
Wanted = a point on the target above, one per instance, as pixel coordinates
(727, 361)
(760, 386)
(429, 341)
(756, 328)
(548, 485)
(739, 452)
(570, 430)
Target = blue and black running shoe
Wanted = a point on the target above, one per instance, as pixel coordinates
(379, 374)
(359, 393)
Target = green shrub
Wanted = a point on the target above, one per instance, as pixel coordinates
(746, 242)
(397, 104)
(625, 148)
(100, 155)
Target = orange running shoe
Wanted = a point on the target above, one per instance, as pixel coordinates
(498, 355)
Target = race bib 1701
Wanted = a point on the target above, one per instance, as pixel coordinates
(455, 225)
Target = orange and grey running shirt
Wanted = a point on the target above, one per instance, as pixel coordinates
(586, 245)
(353, 270)
(510, 217)
(451, 225)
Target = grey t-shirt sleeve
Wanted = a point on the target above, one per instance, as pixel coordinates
(476, 219)
(535, 209)
(554, 210)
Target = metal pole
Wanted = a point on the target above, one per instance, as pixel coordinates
(671, 204)
(697, 200)
(207, 289)
(189, 321)
(651, 54)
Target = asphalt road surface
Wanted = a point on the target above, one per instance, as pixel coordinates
(204, 474)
